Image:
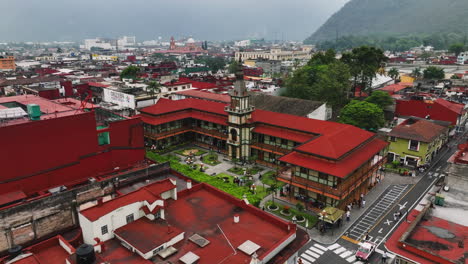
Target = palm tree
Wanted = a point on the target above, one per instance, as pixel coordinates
(393, 73)
(416, 73)
(272, 189)
(153, 88)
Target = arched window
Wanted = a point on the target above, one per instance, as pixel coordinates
(234, 134)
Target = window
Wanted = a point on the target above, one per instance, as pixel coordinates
(104, 230)
(413, 145)
(103, 138)
(130, 218)
(393, 139)
(157, 250)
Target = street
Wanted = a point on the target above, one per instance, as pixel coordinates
(378, 221)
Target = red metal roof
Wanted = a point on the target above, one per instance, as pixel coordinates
(419, 129)
(183, 115)
(148, 193)
(454, 107)
(146, 235)
(341, 168)
(166, 106)
(222, 98)
(96, 84)
(282, 133)
(393, 88)
(430, 246)
(12, 197)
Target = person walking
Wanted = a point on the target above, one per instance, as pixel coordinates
(348, 214)
(384, 257)
(395, 216)
(363, 203)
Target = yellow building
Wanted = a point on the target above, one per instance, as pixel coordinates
(406, 79)
(250, 63)
(7, 63)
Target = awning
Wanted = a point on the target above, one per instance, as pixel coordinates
(331, 214)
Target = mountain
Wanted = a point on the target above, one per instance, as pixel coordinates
(394, 17)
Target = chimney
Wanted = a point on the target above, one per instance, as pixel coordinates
(236, 219)
(189, 184)
(100, 201)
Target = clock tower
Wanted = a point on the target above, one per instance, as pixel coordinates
(240, 112)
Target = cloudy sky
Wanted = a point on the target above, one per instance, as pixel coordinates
(71, 20)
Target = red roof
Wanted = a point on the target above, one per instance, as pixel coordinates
(222, 98)
(393, 88)
(183, 115)
(199, 85)
(148, 193)
(176, 83)
(146, 235)
(341, 168)
(282, 133)
(96, 84)
(419, 129)
(164, 106)
(334, 141)
(454, 107)
(439, 109)
(439, 246)
(12, 197)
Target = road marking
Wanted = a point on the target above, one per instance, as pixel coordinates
(388, 222)
(313, 254)
(381, 253)
(339, 250)
(436, 174)
(380, 231)
(351, 259)
(305, 261)
(438, 168)
(320, 247)
(403, 206)
(317, 250)
(332, 247)
(346, 254)
(309, 258)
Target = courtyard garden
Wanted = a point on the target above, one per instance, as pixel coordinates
(250, 171)
(287, 212)
(190, 152)
(269, 178)
(211, 159)
(221, 181)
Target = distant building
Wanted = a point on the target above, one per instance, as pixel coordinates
(276, 54)
(462, 58)
(99, 43)
(7, 63)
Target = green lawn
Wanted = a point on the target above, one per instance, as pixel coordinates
(211, 159)
(240, 170)
(269, 178)
(312, 219)
(215, 181)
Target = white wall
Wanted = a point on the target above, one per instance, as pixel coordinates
(321, 113)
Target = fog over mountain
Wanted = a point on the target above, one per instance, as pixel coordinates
(67, 20)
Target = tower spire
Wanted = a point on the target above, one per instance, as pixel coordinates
(239, 86)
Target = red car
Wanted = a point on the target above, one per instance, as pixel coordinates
(365, 251)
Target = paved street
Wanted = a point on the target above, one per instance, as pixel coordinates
(378, 220)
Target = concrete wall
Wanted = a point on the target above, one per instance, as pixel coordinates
(36, 220)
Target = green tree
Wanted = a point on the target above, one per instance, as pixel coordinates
(416, 73)
(234, 66)
(323, 78)
(433, 72)
(153, 88)
(363, 114)
(393, 73)
(272, 190)
(130, 72)
(380, 98)
(455, 77)
(457, 48)
(214, 63)
(364, 63)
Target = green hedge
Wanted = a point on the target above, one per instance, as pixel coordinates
(198, 153)
(312, 218)
(215, 181)
(240, 171)
(269, 178)
(211, 159)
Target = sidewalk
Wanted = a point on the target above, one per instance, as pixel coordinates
(331, 236)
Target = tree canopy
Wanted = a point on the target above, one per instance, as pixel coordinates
(457, 48)
(433, 72)
(380, 98)
(364, 63)
(362, 114)
(214, 63)
(393, 73)
(130, 72)
(323, 78)
(234, 66)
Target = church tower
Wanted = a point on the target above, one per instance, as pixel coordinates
(240, 112)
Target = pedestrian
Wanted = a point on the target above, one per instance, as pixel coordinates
(395, 216)
(348, 214)
(384, 257)
(366, 237)
(363, 203)
(350, 206)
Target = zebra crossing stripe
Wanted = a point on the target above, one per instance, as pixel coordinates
(313, 254)
(339, 250)
(346, 254)
(305, 261)
(317, 250)
(309, 258)
(320, 247)
(351, 259)
(332, 247)
(436, 174)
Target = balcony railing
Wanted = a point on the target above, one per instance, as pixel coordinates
(209, 132)
(270, 148)
(341, 191)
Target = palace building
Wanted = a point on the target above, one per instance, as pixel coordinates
(330, 163)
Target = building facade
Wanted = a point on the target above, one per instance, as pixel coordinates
(275, 54)
(329, 163)
(7, 63)
(416, 142)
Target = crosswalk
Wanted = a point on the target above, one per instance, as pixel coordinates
(314, 252)
(436, 174)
